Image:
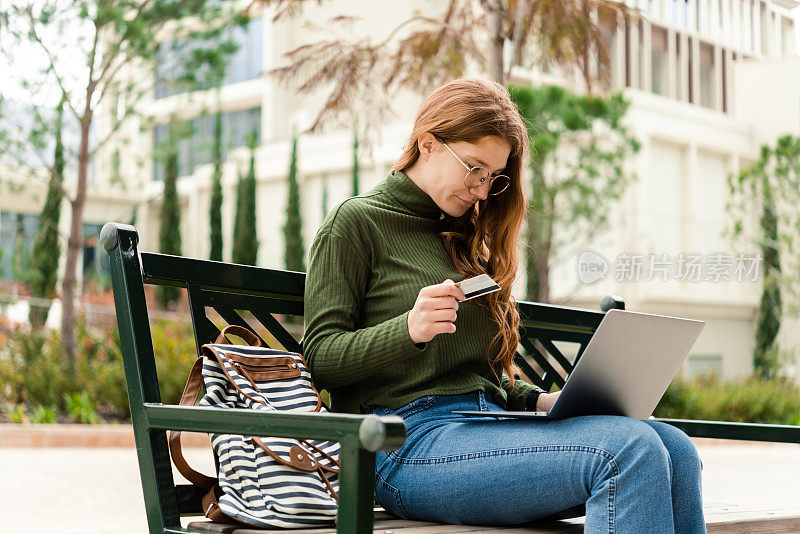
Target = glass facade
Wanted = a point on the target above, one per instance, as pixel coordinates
(95, 260)
(245, 64)
(196, 149)
(17, 231)
(659, 61)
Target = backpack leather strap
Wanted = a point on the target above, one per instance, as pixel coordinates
(189, 397)
(234, 329)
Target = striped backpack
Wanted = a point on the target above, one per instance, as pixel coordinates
(262, 481)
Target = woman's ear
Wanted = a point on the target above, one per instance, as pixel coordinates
(426, 144)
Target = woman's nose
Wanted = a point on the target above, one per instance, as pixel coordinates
(482, 191)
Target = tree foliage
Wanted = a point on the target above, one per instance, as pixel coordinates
(771, 186)
(293, 229)
(245, 237)
(215, 206)
(363, 77)
(579, 145)
(169, 235)
(106, 36)
(47, 243)
(355, 185)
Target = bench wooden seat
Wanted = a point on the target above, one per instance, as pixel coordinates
(720, 519)
(553, 338)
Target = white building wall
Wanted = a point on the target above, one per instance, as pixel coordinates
(677, 206)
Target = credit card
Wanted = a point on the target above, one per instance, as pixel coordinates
(477, 286)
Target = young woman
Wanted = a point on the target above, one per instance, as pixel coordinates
(385, 333)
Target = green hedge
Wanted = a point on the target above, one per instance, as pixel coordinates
(35, 384)
(750, 400)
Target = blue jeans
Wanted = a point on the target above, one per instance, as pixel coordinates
(632, 475)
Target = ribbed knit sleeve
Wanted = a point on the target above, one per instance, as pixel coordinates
(518, 395)
(337, 351)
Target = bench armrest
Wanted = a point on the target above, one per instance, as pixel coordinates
(374, 433)
(735, 430)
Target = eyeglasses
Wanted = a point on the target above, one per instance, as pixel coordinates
(477, 176)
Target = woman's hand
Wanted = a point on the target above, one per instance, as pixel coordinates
(546, 401)
(434, 312)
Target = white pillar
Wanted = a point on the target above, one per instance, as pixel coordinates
(690, 177)
(777, 49)
(647, 56)
(270, 86)
(672, 75)
(633, 59)
(692, 11)
(728, 58)
(683, 61)
(726, 22)
(757, 27)
(695, 51)
(747, 25)
(736, 30)
(715, 18)
(718, 55)
(618, 68)
(704, 14)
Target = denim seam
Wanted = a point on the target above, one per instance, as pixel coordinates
(503, 452)
(396, 493)
(523, 450)
(421, 406)
(612, 489)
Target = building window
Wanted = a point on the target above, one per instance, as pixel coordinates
(96, 269)
(788, 36)
(196, 149)
(609, 34)
(245, 64)
(707, 75)
(17, 231)
(703, 365)
(659, 58)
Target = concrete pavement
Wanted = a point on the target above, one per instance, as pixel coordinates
(97, 490)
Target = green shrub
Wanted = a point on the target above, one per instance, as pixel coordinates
(175, 350)
(751, 400)
(17, 414)
(43, 415)
(33, 372)
(80, 408)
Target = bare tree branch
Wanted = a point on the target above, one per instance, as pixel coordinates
(35, 36)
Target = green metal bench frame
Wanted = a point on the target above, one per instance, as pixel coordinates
(229, 290)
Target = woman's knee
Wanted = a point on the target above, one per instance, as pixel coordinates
(634, 447)
(679, 445)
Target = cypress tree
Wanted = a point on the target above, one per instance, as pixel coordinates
(215, 209)
(46, 244)
(770, 311)
(293, 229)
(355, 161)
(169, 236)
(19, 262)
(245, 238)
(324, 196)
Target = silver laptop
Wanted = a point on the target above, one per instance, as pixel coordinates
(625, 370)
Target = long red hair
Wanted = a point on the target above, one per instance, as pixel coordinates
(484, 239)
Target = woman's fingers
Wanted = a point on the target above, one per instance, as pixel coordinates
(434, 312)
(445, 289)
(439, 303)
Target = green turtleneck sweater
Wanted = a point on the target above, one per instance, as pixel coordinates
(369, 260)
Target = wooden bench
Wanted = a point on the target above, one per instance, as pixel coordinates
(249, 296)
